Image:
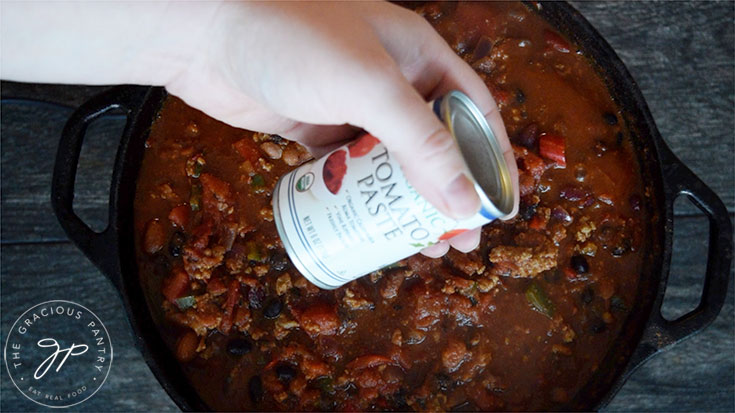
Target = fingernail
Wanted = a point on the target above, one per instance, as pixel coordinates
(460, 198)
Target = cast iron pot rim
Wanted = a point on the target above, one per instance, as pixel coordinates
(113, 249)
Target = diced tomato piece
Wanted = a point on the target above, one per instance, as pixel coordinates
(215, 286)
(451, 234)
(537, 222)
(233, 294)
(179, 216)
(175, 285)
(368, 361)
(218, 188)
(552, 147)
(246, 148)
(363, 145)
(557, 42)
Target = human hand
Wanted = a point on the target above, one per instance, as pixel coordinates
(306, 71)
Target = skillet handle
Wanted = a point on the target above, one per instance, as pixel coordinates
(99, 247)
(680, 180)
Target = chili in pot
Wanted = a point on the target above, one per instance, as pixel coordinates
(521, 323)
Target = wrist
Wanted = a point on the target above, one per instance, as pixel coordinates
(171, 45)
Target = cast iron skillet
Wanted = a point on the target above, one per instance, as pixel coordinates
(644, 334)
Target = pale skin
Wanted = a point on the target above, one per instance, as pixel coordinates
(311, 72)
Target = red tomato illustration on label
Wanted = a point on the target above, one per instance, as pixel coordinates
(451, 234)
(334, 170)
(363, 145)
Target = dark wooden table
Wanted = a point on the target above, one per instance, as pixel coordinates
(680, 53)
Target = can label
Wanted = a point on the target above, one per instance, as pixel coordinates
(353, 211)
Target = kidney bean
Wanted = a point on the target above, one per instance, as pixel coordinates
(528, 136)
(155, 237)
(574, 193)
(186, 346)
(561, 214)
(482, 49)
(256, 296)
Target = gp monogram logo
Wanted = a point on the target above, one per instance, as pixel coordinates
(58, 354)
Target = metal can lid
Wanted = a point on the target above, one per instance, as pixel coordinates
(480, 149)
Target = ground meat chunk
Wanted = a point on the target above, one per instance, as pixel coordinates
(355, 301)
(283, 283)
(318, 319)
(392, 282)
(216, 197)
(203, 317)
(427, 307)
(200, 263)
(522, 262)
(585, 230)
(454, 354)
(470, 263)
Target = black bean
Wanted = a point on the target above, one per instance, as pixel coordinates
(400, 401)
(596, 325)
(527, 211)
(617, 304)
(286, 373)
(443, 381)
(239, 346)
(610, 118)
(276, 138)
(587, 295)
(278, 261)
(520, 96)
(273, 308)
(255, 389)
(579, 264)
(176, 245)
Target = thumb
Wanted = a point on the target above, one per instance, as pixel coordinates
(429, 156)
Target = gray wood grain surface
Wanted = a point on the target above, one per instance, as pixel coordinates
(680, 53)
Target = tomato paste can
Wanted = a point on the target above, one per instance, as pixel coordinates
(352, 211)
